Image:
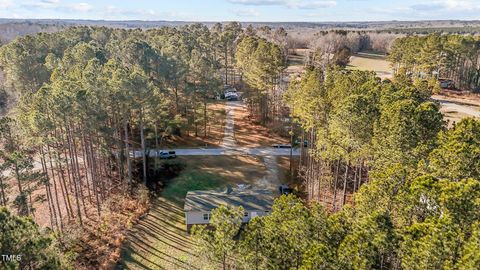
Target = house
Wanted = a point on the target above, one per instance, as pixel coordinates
(199, 204)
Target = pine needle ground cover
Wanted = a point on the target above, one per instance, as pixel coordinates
(215, 129)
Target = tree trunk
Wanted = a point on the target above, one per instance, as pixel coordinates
(95, 179)
(360, 175)
(2, 192)
(63, 185)
(355, 179)
(334, 200)
(55, 188)
(176, 99)
(127, 150)
(77, 168)
(74, 178)
(205, 120)
(86, 168)
(19, 185)
(226, 64)
(344, 195)
(51, 204)
(144, 150)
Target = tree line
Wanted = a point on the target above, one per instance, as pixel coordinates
(354, 122)
(455, 57)
(261, 64)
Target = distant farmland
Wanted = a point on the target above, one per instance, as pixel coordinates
(371, 62)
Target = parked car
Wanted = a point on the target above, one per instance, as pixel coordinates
(231, 96)
(285, 190)
(282, 146)
(167, 154)
(447, 84)
(305, 143)
(230, 90)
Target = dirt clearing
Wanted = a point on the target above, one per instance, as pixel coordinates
(250, 134)
(215, 130)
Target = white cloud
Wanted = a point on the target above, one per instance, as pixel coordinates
(248, 12)
(57, 5)
(429, 9)
(113, 11)
(299, 4)
(461, 4)
(447, 5)
(116, 13)
(80, 7)
(4, 4)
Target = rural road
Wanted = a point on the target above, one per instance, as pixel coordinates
(225, 152)
(465, 109)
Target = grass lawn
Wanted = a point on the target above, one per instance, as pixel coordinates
(191, 180)
(159, 240)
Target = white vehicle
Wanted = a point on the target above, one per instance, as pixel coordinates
(231, 96)
(229, 90)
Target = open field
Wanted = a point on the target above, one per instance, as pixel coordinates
(371, 62)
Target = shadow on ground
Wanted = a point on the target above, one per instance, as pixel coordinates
(159, 240)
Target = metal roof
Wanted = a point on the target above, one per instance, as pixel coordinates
(210, 199)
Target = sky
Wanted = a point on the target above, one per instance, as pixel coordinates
(243, 10)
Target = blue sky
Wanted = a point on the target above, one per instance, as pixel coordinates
(243, 10)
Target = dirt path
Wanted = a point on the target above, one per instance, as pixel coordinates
(465, 109)
(229, 134)
(466, 106)
(271, 180)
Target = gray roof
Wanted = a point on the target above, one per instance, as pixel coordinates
(249, 199)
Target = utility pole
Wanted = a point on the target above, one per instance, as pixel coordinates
(291, 146)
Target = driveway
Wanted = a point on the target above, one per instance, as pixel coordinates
(229, 134)
(458, 107)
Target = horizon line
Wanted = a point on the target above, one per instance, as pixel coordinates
(226, 21)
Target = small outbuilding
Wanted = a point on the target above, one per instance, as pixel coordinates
(199, 204)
